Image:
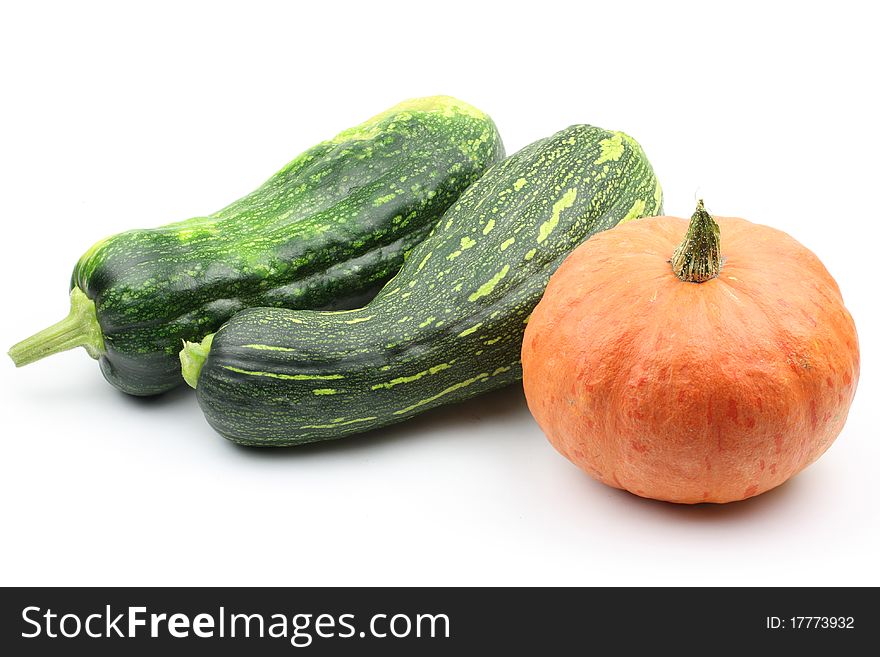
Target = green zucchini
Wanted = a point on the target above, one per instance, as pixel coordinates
(449, 326)
(324, 232)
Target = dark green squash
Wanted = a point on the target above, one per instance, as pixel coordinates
(449, 326)
(325, 231)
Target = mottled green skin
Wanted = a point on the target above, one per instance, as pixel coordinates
(449, 326)
(325, 231)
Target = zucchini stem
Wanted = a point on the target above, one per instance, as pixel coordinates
(79, 329)
(698, 258)
(192, 357)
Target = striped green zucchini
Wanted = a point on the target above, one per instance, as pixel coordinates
(325, 231)
(449, 326)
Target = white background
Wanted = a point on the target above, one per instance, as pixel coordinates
(114, 117)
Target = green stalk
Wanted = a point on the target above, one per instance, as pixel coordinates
(698, 258)
(79, 329)
(192, 357)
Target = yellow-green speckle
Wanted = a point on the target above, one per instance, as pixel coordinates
(267, 347)
(424, 261)
(637, 210)
(287, 377)
(358, 320)
(488, 286)
(414, 377)
(565, 202)
(337, 424)
(472, 329)
(458, 386)
(466, 243)
(382, 200)
(612, 148)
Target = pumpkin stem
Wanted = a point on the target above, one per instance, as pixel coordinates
(698, 258)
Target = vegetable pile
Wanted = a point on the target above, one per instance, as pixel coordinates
(404, 264)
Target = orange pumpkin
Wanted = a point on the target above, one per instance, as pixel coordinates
(710, 377)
